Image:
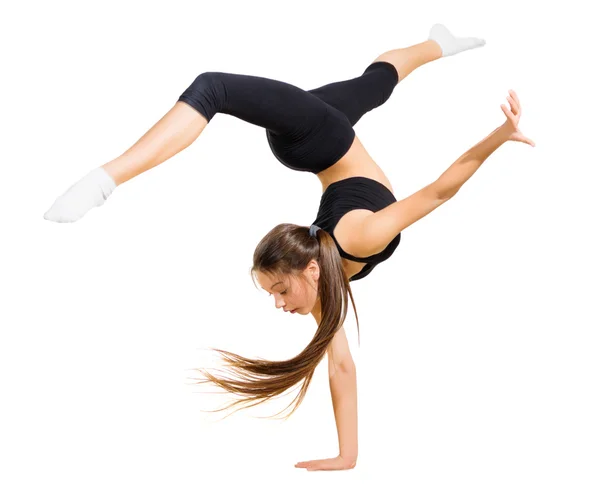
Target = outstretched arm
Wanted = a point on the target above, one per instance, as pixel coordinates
(380, 228)
(464, 167)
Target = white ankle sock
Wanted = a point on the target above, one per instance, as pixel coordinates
(92, 190)
(451, 44)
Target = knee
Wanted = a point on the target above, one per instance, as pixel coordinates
(206, 79)
(209, 83)
(206, 94)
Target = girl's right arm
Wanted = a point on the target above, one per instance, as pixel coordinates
(380, 228)
(464, 167)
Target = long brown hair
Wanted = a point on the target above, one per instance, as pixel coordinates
(287, 250)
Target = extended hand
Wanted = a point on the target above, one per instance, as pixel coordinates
(336, 463)
(512, 119)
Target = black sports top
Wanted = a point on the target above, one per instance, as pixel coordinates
(350, 194)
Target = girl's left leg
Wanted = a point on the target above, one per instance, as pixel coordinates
(440, 43)
(359, 95)
(407, 59)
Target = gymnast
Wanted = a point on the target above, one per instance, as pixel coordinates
(308, 269)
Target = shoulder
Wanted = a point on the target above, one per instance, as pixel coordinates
(348, 231)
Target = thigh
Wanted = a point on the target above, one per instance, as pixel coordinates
(360, 95)
(279, 107)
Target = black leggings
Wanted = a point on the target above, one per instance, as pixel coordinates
(306, 130)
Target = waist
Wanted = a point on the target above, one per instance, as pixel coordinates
(355, 163)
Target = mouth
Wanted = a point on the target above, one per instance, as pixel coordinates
(292, 311)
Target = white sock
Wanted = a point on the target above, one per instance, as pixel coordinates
(451, 44)
(92, 190)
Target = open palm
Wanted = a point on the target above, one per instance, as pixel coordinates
(513, 115)
(332, 464)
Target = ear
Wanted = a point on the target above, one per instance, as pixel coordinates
(314, 269)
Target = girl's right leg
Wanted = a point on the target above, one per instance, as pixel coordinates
(271, 104)
(274, 105)
(175, 131)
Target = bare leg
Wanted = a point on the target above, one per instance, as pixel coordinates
(406, 60)
(175, 131)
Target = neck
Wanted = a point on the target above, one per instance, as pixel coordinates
(316, 311)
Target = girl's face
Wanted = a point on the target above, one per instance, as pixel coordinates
(293, 294)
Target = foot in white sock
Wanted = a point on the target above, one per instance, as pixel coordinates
(451, 44)
(92, 190)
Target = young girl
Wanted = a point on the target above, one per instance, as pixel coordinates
(358, 224)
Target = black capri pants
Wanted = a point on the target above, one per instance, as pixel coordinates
(306, 130)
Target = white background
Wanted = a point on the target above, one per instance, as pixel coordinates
(478, 362)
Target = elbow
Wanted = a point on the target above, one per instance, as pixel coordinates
(445, 196)
(345, 368)
(443, 193)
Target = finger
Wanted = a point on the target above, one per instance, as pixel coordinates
(508, 114)
(514, 95)
(322, 464)
(306, 464)
(526, 140)
(514, 107)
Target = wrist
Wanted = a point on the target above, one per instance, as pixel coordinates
(349, 459)
(349, 452)
(503, 132)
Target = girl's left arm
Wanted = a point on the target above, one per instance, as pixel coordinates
(342, 382)
(343, 386)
